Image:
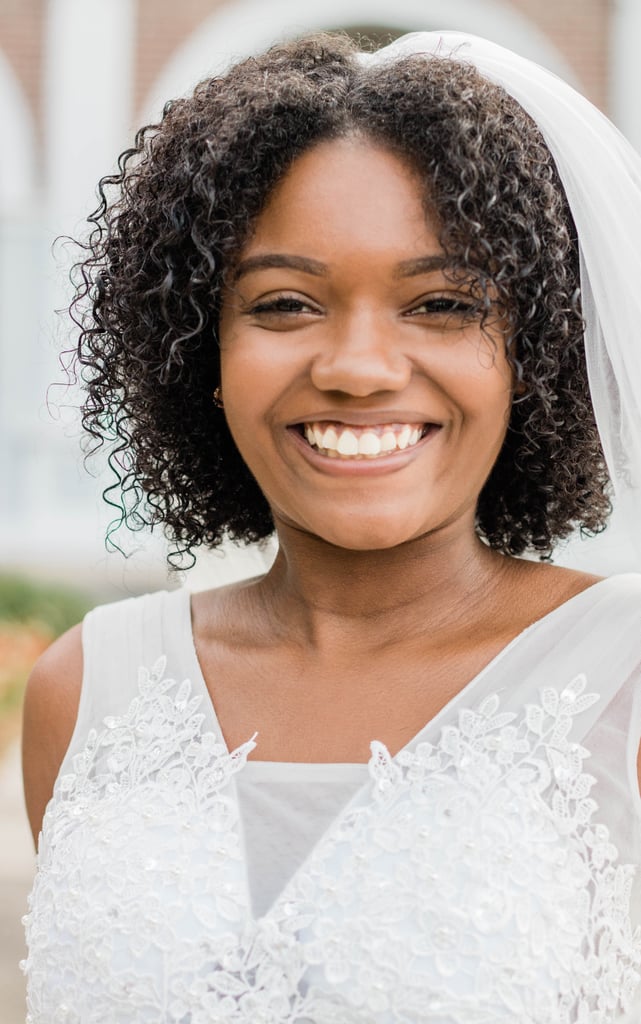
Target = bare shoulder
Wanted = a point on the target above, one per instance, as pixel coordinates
(550, 586)
(50, 710)
(528, 591)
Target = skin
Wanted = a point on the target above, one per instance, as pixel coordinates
(379, 563)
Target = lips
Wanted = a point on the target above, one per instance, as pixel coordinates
(355, 442)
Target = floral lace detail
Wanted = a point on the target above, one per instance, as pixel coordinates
(466, 884)
(490, 894)
(139, 864)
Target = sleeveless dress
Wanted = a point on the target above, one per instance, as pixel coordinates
(486, 874)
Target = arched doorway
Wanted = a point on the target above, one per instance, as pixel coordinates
(238, 29)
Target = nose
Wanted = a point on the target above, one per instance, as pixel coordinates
(361, 356)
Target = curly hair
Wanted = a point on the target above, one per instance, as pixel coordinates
(183, 203)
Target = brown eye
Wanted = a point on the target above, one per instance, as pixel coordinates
(285, 304)
(445, 305)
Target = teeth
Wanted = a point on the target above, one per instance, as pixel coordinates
(369, 444)
(364, 442)
(403, 438)
(388, 441)
(347, 443)
(330, 439)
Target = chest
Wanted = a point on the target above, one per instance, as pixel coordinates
(309, 711)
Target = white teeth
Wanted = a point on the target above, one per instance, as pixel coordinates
(330, 439)
(347, 443)
(403, 438)
(388, 441)
(364, 442)
(369, 444)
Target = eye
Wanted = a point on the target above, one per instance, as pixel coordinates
(445, 305)
(281, 305)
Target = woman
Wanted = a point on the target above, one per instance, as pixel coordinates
(339, 297)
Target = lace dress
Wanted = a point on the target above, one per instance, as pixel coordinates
(486, 874)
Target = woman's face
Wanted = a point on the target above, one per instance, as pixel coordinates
(361, 393)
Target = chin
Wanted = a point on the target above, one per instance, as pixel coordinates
(371, 538)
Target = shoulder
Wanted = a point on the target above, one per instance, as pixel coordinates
(50, 710)
(621, 591)
(609, 607)
(532, 590)
(603, 616)
(550, 586)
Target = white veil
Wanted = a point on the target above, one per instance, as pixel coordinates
(601, 174)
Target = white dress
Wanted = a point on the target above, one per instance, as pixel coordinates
(486, 874)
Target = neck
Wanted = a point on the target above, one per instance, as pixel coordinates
(328, 595)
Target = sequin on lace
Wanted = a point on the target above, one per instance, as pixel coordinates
(467, 883)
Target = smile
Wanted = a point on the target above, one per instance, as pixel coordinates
(338, 441)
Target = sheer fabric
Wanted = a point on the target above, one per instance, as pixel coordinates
(487, 873)
(284, 809)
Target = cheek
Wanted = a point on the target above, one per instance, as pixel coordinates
(485, 400)
(494, 378)
(494, 403)
(497, 418)
(478, 379)
(249, 383)
(241, 369)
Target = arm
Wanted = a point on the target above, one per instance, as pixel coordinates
(50, 710)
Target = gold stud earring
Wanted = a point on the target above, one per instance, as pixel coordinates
(218, 398)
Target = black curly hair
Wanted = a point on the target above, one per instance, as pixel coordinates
(174, 218)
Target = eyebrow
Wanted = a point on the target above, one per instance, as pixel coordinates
(271, 260)
(422, 265)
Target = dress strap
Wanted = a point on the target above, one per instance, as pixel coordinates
(117, 639)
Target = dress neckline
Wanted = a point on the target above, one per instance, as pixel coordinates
(380, 762)
(183, 624)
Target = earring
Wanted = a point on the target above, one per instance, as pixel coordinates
(218, 398)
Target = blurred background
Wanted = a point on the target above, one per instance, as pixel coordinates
(77, 77)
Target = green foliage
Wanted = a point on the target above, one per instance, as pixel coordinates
(12, 693)
(52, 606)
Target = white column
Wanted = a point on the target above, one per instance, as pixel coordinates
(625, 68)
(19, 293)
(88, 99)
(18, 164)
(18, 214)
(88, 75)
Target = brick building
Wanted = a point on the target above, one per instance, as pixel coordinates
(77, 76)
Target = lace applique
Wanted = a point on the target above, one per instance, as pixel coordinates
(489, 893)
(140, 868)
(466, 884)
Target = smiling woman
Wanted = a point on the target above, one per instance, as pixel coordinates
(351, 354)
(348, 299)
(161, 254)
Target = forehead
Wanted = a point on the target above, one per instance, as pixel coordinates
(347, 194)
